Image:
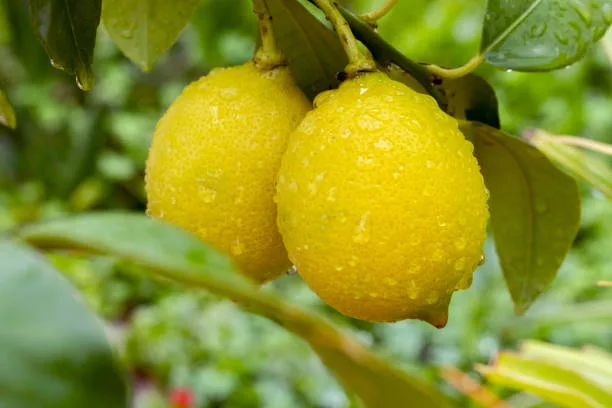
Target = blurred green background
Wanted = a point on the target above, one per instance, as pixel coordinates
(76, 151)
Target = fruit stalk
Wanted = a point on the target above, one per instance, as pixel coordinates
(268, 55)
(373, 16)
(358, 61)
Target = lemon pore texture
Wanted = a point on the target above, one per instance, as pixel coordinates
(381, 203)
(214, 158)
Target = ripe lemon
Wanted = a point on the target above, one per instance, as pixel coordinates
(381, 203)
(214, 159)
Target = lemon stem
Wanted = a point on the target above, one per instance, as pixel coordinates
(459, 72)
(373, 16)
(268, 55)
(358, 61)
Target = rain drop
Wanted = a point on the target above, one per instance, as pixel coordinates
(292, 271)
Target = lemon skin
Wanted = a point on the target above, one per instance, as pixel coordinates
(214, 159)
(381, 203)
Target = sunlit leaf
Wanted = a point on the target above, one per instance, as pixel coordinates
(535, 211)
(7, 114)
(67, 30)
(174, 254)
(314, 52)
(548, 380)
(145, 29)
(585, 166)
(540, 35)
(53, 350)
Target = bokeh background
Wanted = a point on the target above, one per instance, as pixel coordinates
(76, 151)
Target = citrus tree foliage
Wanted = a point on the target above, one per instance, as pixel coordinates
(534, 206)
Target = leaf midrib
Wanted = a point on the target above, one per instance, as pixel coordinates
(510, 29)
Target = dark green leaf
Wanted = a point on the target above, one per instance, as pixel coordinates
(145, 29)
(471, 98)
(535, 211)
(314, 52)
(54, 352)
(7, 114)
(67, 31)
(540, 35)
(177, 255)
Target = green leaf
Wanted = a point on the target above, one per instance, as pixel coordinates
(7, 114)
(53, 350)
(67, 31)
(548, 380)
(577, 162)
(314, 52)
(541, 35)
(145, 29)
(535, 211)
(177, 255)
(471, 98)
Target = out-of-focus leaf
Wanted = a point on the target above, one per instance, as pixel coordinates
(549, 380)
(7, 114)
(67, 30)
(145, 29)
(577, 162)
(314, 52)
(540, 35)
(54, 352)
(535, 211)
(593, 365)
(606, 43)
(471, 98)
(174, 254)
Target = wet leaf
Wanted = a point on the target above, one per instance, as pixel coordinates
(314, 52)
(177, 255)
(535, 211)
(144, 29)
(67, 30)
(541, 35)
(53, 350)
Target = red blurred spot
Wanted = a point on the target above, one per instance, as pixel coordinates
(181, 398)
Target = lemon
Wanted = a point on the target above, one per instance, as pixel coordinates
(214, 159)
(381, 203)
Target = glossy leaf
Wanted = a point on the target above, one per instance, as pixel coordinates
(540, 35)
(7, 114)
(535, 211)
(577, 162)
(144, 29)
(53, 350)
(314, 52)
(174, 254)
(67, 30)
(548, 380)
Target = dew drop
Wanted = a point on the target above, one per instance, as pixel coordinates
(460, 264)
(482, 260)
(127, 34)
(237, 247)
(362, 234)
(292, 271)
(208, 194)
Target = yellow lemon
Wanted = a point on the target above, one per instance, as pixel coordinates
(381, 203)
(214, 159)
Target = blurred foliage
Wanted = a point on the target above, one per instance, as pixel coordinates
(76, 151)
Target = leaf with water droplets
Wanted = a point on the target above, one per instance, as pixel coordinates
(145, 29)
(535, 211)
(7, 114)
(67, 31)
(314, 52)
(54, 351)
(541, 35)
